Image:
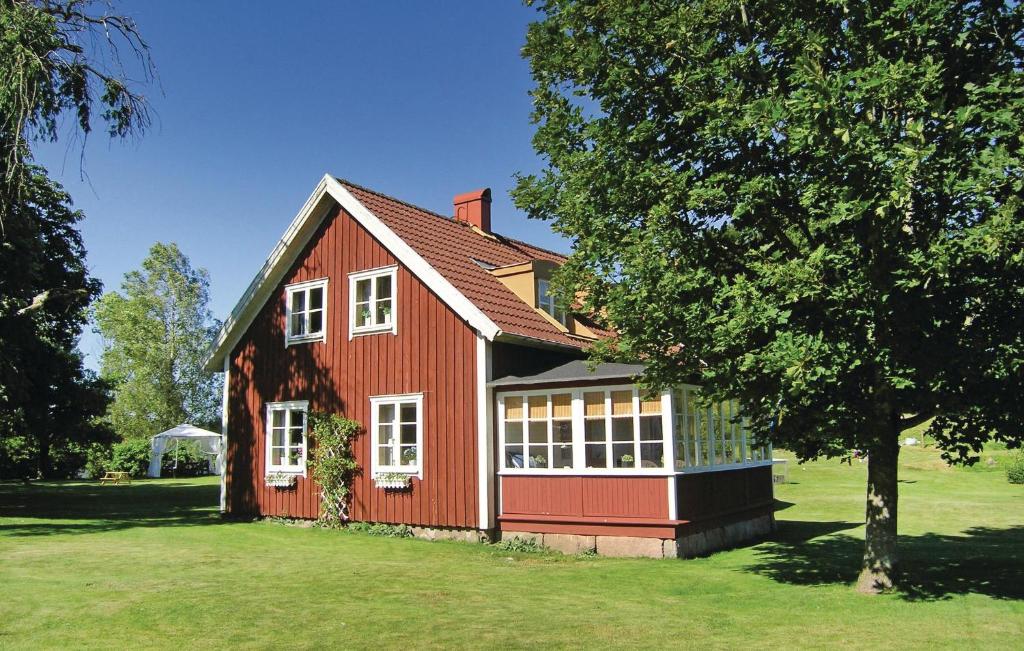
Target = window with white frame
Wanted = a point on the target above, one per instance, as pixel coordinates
(710, 436)
(546, 421)
(286, 436)
(546, 301)
(397, 433)
(306, 311)
(610, 429)
(373, 301)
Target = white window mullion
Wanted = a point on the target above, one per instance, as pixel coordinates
(636, 428)
(668, 441)
(579, 439)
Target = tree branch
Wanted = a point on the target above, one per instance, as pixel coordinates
(913, 421)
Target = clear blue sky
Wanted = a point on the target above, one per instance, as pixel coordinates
(257, 100)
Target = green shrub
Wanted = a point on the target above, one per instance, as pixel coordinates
(131, 456)
(1015, 471)
(381, 529)
(97, 460)
(184, 459)
(517, 544)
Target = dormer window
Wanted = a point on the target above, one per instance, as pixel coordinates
(306, 311)
(546, 300)
(374, 295)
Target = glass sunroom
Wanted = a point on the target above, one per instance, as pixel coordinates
(588, 450)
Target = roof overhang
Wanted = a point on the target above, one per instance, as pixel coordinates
(326, 194)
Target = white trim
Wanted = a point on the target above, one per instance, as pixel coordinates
(304, 286)
(579, 439)
(287, 406)
(673, 507)
(396, 400)
(723, 467)
(301, 229)
(390, 271)
(226, 392)
(485, 435)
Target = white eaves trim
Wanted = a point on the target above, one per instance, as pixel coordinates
(295, 238)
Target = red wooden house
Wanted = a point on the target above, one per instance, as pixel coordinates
(440, 337)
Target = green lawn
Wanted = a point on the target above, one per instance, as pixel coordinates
(151, 565)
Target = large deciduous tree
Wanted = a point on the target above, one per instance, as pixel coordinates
(156, 332)
(57, 58)
(814, 207)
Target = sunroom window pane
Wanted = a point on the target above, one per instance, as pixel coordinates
(538, 432)
(513, 432)
(538, 456)
(562, 455)
(538, 406)
(561, 405)
(622, 403)
(514, 408)
(593, 430)
(561, 431)
(622, 455)
(514, 456)
(597, 456)
(593, 403)
(622, 429)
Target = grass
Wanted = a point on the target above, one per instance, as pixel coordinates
(152, 565)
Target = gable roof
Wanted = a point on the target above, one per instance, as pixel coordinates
(444, 254)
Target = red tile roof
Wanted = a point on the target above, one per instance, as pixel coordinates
(454, 250)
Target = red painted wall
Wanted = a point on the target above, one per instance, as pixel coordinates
(434, 353)
(585, 497)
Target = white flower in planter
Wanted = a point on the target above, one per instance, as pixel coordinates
(280, 479)
(392, 480)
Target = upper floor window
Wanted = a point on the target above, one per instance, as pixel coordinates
(374, 298)
(286, 436)
(397, 433)
(546, 300)
(306, 311)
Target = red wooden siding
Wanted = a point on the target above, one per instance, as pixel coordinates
(585, 497)
(710, 495)
(434, 353)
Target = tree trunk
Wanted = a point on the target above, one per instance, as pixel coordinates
(879, 568)
(43, 470)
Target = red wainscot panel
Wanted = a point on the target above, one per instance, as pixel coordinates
(710, 499)
(587, 505)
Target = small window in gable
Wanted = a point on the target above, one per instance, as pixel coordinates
(374, 295)
(306, 311)
(546, 301)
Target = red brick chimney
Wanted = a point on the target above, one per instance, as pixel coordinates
(474, 208)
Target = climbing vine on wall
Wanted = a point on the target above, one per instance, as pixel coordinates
(333, 464)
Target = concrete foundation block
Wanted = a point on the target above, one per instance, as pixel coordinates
(630, 546)
(569, 543)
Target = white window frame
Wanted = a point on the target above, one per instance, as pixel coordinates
(371, 275)
(546, 302)
(295, 288)
(750, 456)
(375, 403)
(288, 407)
(578, 438)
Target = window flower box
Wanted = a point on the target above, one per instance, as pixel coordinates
(392, 480)
(280, 479)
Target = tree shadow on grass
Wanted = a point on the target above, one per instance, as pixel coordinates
(47, 508)
(981, 560)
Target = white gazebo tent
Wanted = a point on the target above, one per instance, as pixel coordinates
(165, 442)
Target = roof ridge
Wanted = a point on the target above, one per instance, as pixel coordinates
(444, 217)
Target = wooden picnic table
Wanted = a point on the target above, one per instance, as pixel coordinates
(116, 478)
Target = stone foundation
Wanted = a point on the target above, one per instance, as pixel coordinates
(460, 535)
(724, 536)
(688, 545)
